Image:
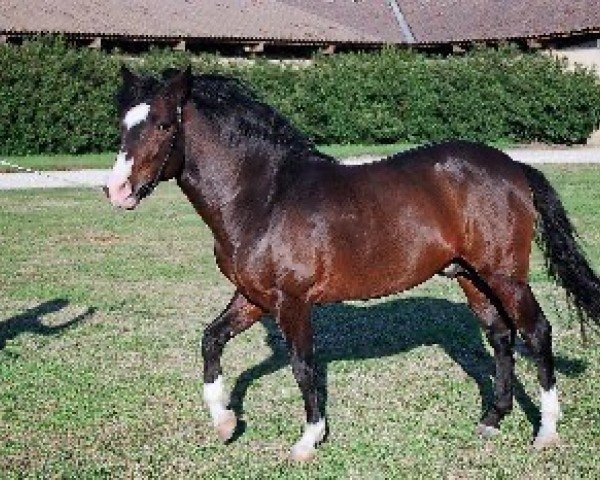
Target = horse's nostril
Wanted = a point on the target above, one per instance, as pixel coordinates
(105, 190)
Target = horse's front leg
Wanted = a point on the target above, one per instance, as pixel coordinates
(239, 315)
(293, 318)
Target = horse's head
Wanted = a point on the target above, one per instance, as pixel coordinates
(150, 113)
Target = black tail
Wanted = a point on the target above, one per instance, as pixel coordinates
(565, 260)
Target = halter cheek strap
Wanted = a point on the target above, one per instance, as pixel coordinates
(147, 188)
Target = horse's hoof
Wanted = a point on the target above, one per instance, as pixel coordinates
(302, 453)
(226, 425)
(486, 431)
(545, 441)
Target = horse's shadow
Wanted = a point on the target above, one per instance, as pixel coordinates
(351, 332)
(31, 321)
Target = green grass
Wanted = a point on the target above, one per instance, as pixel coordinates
(102, 313)
(382, 150)
(105, 160)
(59, 162)
(355, 150)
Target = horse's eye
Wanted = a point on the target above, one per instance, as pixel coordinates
(163, 126)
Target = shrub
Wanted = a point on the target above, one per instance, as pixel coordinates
(54, 98)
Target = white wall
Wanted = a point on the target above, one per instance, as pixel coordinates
(586, 56)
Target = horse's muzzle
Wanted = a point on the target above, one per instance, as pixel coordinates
(121, 196)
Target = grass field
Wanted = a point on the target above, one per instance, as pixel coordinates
(105, 160)
(100, 321)
(59, 162)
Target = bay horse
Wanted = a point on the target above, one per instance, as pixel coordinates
(294, 228)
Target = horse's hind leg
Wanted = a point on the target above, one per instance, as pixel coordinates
(538, 337)
(520, 308)
(520, 304)
(501, 337)
(237, 317)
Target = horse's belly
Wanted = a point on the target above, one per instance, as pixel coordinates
(362, 275)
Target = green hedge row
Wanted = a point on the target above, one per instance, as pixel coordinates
(54, 98)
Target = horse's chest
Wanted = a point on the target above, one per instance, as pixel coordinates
(224, 261)
(247, 270)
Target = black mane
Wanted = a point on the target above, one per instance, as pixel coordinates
(241, 118)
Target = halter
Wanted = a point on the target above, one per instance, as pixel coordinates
(147, 188)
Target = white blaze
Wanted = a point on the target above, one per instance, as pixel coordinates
(119, 187)
(136, 115)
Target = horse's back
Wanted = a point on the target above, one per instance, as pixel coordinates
(483, 200)
(370, 230)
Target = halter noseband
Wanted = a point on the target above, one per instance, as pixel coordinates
(147, 188)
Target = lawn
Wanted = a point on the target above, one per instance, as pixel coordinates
(105, 160)
(102, 314)
(58, 162)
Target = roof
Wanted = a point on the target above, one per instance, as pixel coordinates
(446, 21)
(304, 21)
(364, 21)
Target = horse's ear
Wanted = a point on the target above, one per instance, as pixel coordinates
(179, 85)
(129, 78)
(131, 88)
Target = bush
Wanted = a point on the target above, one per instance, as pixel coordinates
(487, 96)
(54, 98)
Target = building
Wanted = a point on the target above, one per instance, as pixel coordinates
(299, 28)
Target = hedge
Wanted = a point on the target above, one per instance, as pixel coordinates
(58, 99)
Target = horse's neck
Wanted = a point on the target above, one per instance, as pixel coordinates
(229, 189)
